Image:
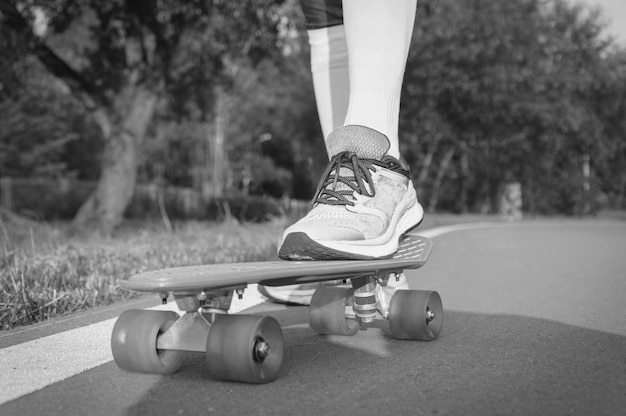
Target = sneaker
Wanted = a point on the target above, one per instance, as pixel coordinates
(364, 203)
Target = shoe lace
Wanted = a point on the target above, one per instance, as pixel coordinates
(346, 173)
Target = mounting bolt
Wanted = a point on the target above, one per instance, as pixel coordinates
(261, 349)
(430, 315)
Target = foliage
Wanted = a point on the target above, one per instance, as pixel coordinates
(45, 134)
(121, 58)
(270, 134)
(47, 199)
(609, 104)
(269, 119)
(504, 91)
(60, 199)
(239, 208)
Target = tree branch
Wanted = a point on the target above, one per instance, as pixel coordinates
(51, 61)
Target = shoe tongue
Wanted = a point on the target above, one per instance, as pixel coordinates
(365, 142)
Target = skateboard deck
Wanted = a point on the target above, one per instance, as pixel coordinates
(412, 253)
(249, 348)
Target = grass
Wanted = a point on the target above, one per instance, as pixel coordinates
(48, 271)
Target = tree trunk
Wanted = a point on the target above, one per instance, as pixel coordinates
(465, 174)
(441, 173)
(619, 200)
(217, 171)
(425, 164)
(104, 209)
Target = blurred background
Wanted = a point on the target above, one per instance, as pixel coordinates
(203, 109)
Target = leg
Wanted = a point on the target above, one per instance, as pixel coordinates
(358, 57)
(329, 61)
(329, 68)
(378, 35)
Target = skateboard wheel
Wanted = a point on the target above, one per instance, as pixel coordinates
(245, 348)
(327, 314)
(416, 314)
(134, 339)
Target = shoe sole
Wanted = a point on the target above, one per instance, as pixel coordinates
(299, 246)
(296, 244)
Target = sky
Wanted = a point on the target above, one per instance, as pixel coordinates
(615, 12)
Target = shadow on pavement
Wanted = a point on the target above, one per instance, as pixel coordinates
(481, 364)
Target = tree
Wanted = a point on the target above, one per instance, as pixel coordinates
(262, 107)
(123, 62)
(42, 129)
(498, 91)
(609, 103)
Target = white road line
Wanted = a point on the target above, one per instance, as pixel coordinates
(33, 365)
(435, 232)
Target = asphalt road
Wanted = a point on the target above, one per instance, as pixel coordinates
(535, 323)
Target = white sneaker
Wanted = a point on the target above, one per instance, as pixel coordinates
(364, 203)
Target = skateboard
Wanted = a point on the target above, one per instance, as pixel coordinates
(249, 348)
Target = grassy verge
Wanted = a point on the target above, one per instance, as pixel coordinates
(46, 271)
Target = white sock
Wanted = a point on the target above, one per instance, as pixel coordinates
(378, 35)
(329, 67)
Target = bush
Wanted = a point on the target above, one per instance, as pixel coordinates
(45, 199)
(181, 204)
(248, 209)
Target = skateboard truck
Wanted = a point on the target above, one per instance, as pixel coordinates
(190, 331)
(369, 296)
(365, 304)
